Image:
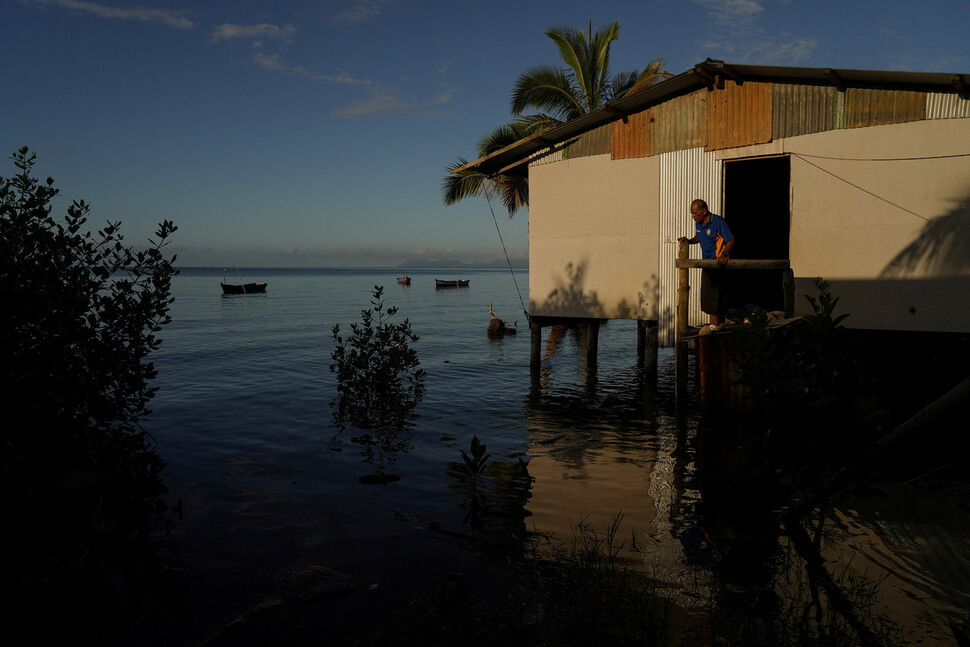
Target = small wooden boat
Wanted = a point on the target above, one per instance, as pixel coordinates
(241, 288)
(457, 283)
(404, 280)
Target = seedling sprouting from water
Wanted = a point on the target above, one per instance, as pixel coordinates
(475, 464)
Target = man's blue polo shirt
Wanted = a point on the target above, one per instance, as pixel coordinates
(712, 235)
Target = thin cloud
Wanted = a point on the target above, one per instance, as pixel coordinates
(734, 14)
(271, 62)
(388, 103)
(792, 51)
(229, 31)
(745, 39)
(361, 10)
(379, 104)
(274, 63)
(445, 66)
(169, 18)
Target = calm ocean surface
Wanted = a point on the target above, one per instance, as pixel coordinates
(267, 481)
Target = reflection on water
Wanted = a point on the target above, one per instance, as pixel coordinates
(575, 444)
(701, 515)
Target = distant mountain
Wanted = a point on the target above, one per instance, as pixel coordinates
(451, 263)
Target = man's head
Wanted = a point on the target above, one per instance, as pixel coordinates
(698, 211)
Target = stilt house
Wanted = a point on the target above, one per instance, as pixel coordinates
(858, 177)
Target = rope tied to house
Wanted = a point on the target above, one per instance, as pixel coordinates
(507, 259)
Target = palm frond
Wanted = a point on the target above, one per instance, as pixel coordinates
(455, 187)
(599, 55)
(620, 84)
(652, 74)
(546, 89)
(514, 191)
(572, 47)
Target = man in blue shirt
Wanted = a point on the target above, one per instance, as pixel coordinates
(716, 241)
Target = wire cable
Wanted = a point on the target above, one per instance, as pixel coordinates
(883, 159)
(507, 259)
(878, 197)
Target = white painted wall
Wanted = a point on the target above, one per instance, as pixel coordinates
(893, 237)
(593, 228)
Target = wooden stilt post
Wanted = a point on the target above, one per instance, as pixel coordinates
(788, 290)
(535, 348)
(683, 293)
(653, 347)
(592, 342)
(647, 345)
(641, 341)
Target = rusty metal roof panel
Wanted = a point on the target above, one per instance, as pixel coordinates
(633, 136)
(941, 105)
(802, 109)
(710, 74)
(681, 123)
(739, 115)
(594, 142)
(674, 125)
(874, 107)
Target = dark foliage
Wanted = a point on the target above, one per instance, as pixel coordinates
(813, 404)
(79, 314)
(379, 381)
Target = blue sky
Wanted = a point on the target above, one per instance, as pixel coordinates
(316, 133)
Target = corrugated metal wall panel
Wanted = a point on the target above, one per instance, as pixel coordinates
(739, 115)
(547, 156)
(595, 142)
(684, 176)
(941, 105)
(802, 109)
(868, 107)
(632, 137)
(681, 123)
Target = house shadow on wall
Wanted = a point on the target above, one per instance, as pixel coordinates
(570, 309)
(571, 298)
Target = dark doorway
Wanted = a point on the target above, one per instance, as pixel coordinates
(757, 209)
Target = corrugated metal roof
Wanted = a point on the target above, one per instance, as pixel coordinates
(874, 107)
(711, 73)
(802, 109)
(739, 115)
(670, 126)
(595, 142)
(681, 123)
(632, 137)
(946, 106)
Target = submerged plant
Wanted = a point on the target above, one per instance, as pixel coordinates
(475, 464)
(379, 381)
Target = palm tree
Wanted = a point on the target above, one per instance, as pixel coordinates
(586, 84)
(513, 189)
(559, 94)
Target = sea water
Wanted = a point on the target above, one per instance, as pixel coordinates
(266, 480)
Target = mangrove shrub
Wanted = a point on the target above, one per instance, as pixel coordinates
(379, 379)
(79, 316)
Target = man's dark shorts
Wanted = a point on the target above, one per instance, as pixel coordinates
(713, 291)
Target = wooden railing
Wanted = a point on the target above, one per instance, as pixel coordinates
(683, 264)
